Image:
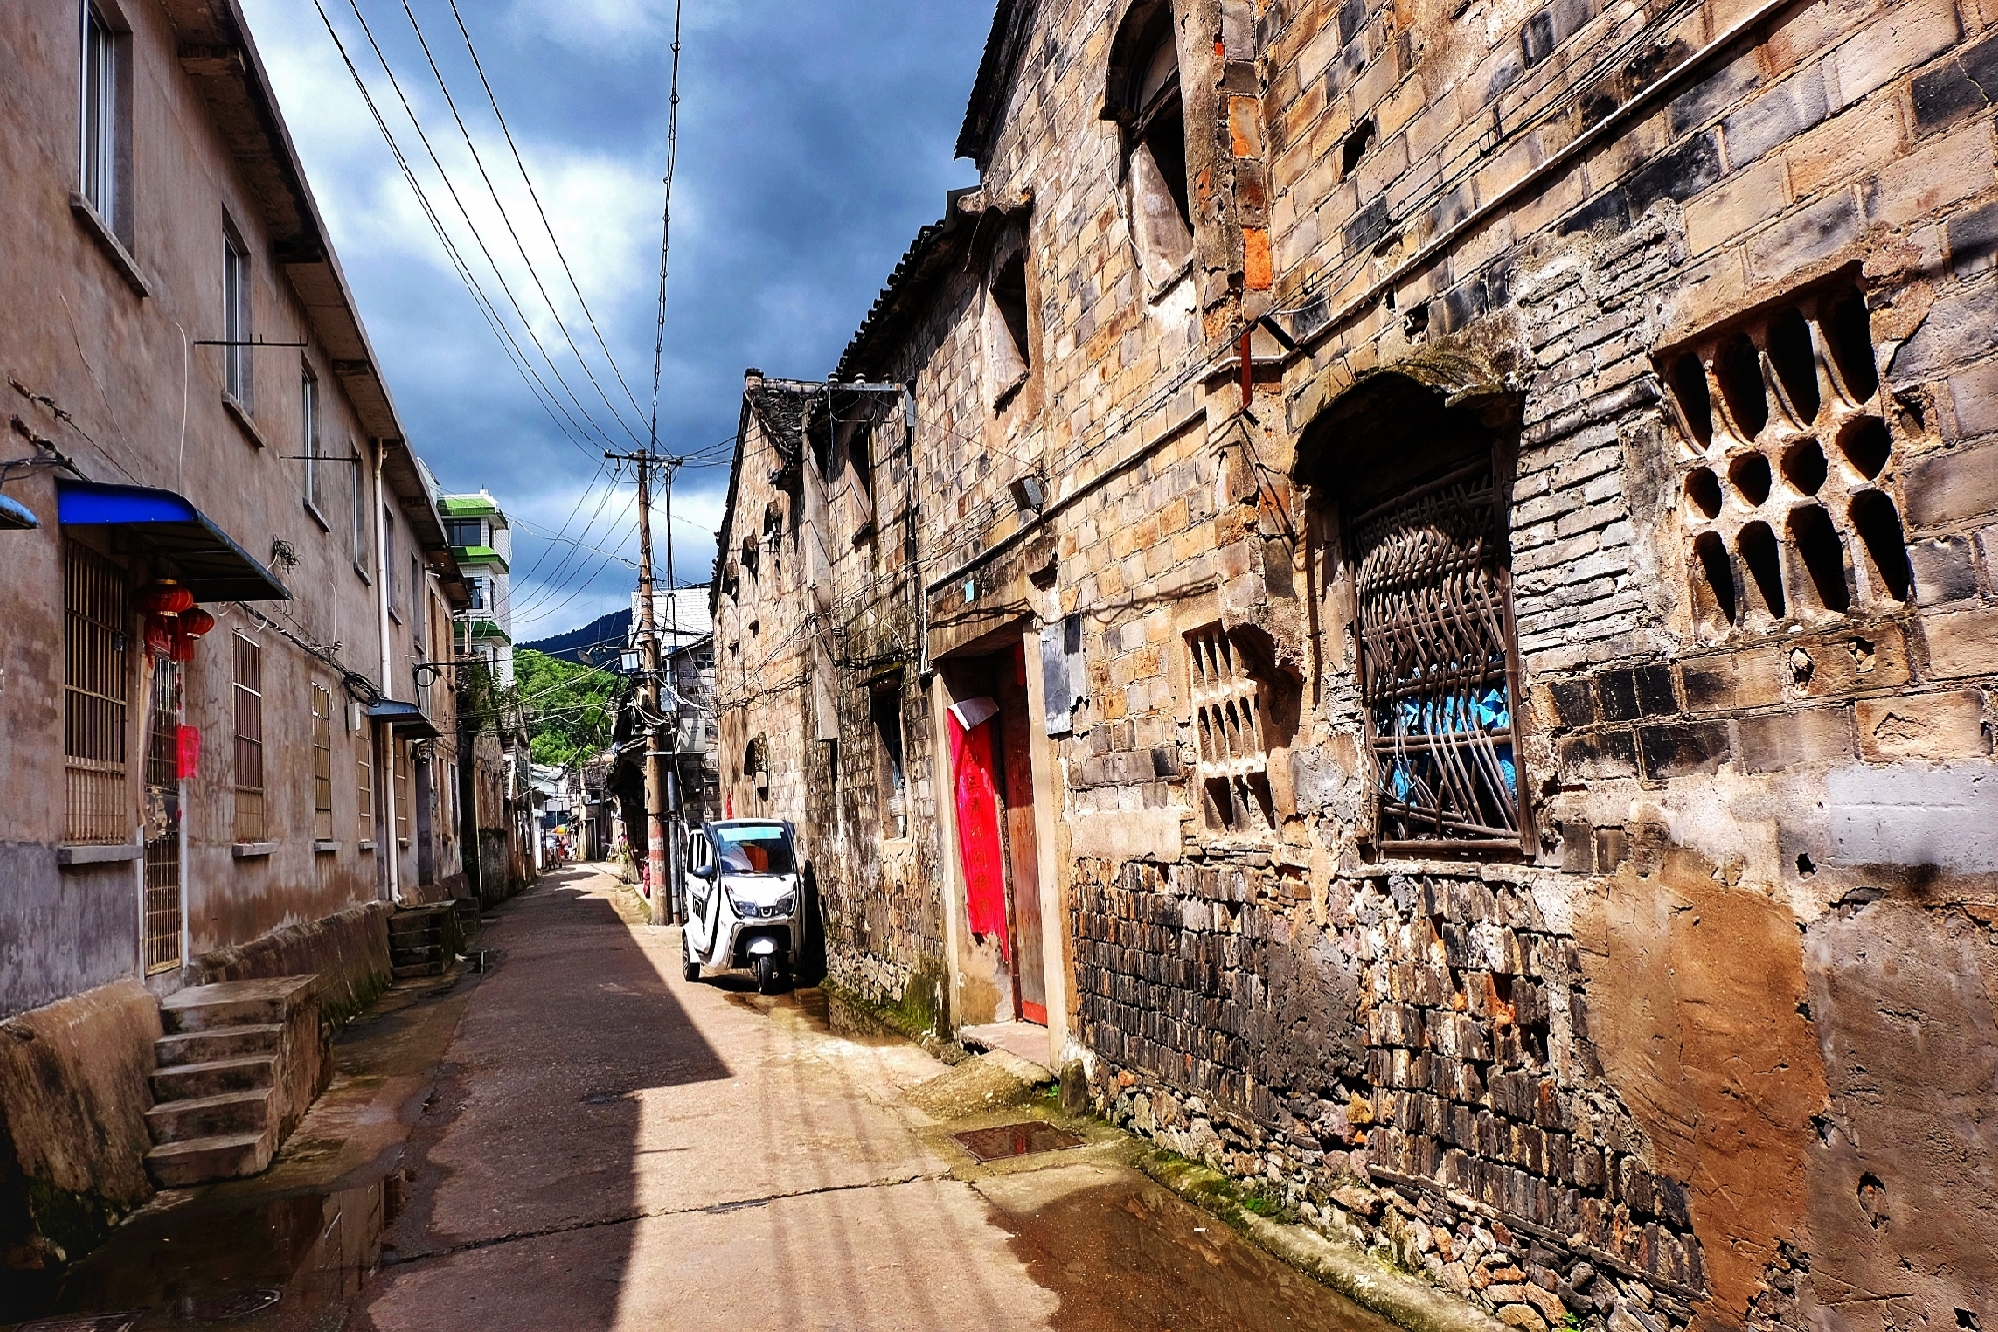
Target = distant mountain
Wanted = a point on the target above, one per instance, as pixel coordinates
(604, 638)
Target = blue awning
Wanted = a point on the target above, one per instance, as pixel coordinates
(164, 525)
(407, 718)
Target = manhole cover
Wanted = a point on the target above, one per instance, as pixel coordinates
(995, 1144)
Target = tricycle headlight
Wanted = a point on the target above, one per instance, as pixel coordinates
(784, 905)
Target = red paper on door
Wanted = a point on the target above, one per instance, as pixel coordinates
(977, 800)
(187, 753)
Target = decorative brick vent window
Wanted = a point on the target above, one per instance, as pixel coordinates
(1790, 468)
(1436, 678)
(1228, 719)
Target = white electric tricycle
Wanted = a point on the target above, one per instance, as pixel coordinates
(741, 901)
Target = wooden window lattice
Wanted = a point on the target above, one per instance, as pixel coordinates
(364, 764)
(249, 698)
(322, 764)
(1435, 636)
(95, 695)
(1228, 722)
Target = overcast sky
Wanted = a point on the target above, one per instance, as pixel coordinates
(815, 138)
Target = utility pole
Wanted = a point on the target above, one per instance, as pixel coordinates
(656, 822)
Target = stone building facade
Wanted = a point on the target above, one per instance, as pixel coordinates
(1470, 534)
(198, 437)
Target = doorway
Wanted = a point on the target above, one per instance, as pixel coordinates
(998, 841)
(168, 746)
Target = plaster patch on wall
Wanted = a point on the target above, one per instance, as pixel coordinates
(1911, 815)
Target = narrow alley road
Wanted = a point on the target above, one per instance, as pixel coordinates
(611, 1147)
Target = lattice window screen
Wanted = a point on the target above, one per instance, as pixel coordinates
(1436, 649)
(1790, 468)
(322, 764)
(95, 694)
(364, 785)
(249, 692)
(1228, 721)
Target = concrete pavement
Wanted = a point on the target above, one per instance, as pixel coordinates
(579, 1139)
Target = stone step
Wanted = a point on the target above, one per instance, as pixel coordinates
(223, 1043)
(185, 1082)
(418, 970)
(226, 1156)
(231, 1114)
(416, 952)
(233, 1003)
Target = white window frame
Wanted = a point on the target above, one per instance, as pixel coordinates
(238, 319)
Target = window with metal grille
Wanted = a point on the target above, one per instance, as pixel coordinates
(1436, 663)
(1789, 469)
(364, 765)
(95, 693)
(249, 696)
(1229, 723)
(162, 837)
(400, 775)
(322, 764)
(237, 325)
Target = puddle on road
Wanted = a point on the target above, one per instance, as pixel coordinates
(1133, 1257)
(813, 1008)
(271, 1265)
(1008, 1140)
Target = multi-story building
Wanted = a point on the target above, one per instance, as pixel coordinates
(1431, 612)
(482, 543)
(492, 741)
(226, 588)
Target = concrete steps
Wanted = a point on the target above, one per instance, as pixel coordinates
(423, 940)
(220, 1077)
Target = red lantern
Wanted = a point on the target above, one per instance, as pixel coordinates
(183, 647)
(159, 635)
(194, 623)
(164, 597)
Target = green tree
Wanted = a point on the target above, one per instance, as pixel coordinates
(570, 709)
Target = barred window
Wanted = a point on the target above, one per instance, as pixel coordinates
(1789, 468)
(95, 694)
(1436, 662)
(399, 774)
(249, 694)
(1229, 721)
(364, 766)
(322, 764)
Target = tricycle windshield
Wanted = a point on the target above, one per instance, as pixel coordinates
(755, 849)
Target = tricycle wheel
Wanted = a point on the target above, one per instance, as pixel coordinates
(766, 974)
(688, 967)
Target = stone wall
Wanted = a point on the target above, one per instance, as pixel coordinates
(1710, 286)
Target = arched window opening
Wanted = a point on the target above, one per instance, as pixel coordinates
(1154, 122)
(1419, 496)
(1009, 356)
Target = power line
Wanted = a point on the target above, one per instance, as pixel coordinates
(535, 195)
(487, 310)
(478, 237)
(666, 222)
(507, 219)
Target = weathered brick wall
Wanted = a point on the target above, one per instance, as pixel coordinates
(1611, 1073)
